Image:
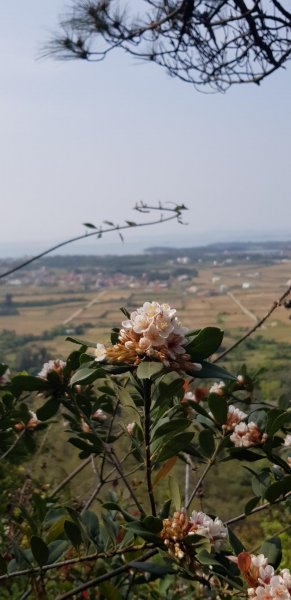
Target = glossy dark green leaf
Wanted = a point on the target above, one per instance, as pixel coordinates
(28, 383)
(91, 523)
(85, 375)
(48, 410)
(153, 568)
(114, 335)
(171, 427)
(73, 533)
(165, 510)
(205, 343)
(211, 371)
(139, 529)
(206, 442)
(56, 550)
(235, 543)
(218, 407)
(205, 558)
(20, 556)
(153, 524)
(148, 369)
(173, 446)
(277, 489)
(39, 550)
(276, 421)
(3, 566)
(251, 504)
(272, 550)
(89, 225)
(114, 506)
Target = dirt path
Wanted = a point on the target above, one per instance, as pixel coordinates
(245, 310)
(78, 312)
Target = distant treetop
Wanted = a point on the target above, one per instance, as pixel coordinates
(212, 44)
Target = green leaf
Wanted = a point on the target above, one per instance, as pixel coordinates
(148, 369)
(175, 492)
(206, 442)
(113, 506)
(139, 529)
(39, 550)
(27, 383)
(205, 343)
(177, 444)
(91, 523)
(211, 371)
(20, 556)
(276, 421)
(153, 568)
(73, 533)
(3, 565)
(165, 510)
(84, 343)
(85, 375)
(205, 558)
(48, 410)
(251, 504)
(114, 335)
(218, 407)
(56, 550)
(89, 225)
(278, 488)
(153, 524)
(109, 591)
(235, 543)
(272, 550)
(174, 426)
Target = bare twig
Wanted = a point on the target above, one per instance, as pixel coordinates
(70, 561)
(176, 215)
(201, 479)
(118, 466)
(259, 323)
(256, 510)
(106, 576)
(71, 476)
(13, 445)
(147, 437)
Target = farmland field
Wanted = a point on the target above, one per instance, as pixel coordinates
(214, 297)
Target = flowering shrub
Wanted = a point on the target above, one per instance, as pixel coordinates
(136, 415)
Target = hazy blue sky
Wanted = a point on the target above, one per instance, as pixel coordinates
(82, 142)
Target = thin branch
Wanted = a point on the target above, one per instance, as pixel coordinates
(118, 466)
(69, 478)
(13, 445)
(201, 479)
(257, 509)
(69, 561)
(274, 306)
(99, 232)
(106, 576)
(147, 437)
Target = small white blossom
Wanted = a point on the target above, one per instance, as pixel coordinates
(287, 440)
(214, 530)
(99, 415)
(5, 377)
(218, 388)
(100, 352)
(51, 366)
(130, 428)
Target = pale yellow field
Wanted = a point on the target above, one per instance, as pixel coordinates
(235, 309)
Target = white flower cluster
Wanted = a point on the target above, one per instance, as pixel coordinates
(287, 440)
(218, 388)
(157, 326)
(50, 367)
(5, 377)
(234, 418)
(247, 434)
(214, 530)
(152, 331)
(270, 586)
